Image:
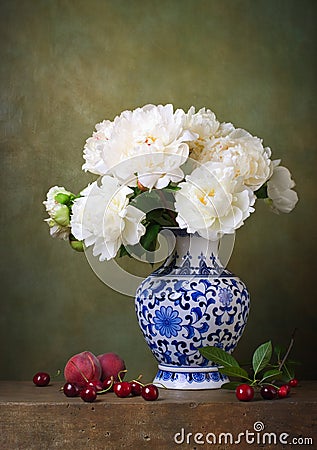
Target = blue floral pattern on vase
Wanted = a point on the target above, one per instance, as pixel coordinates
(167, 321)
(225, 296)
(164, 375)
(188, 303)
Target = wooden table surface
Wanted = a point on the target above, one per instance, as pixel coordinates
(43, 418)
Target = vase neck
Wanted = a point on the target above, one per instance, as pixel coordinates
(192, 255)
(195, 248)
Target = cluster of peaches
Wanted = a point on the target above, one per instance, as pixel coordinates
(88, 375)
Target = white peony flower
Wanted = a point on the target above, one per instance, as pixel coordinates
(58, 220)
(281, 196)
(93, 149)
(205, 125)
(238, 148)
(149, 143)
(212, 201)
(102, 217)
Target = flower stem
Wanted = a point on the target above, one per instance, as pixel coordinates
(288, 350)
(169, 212)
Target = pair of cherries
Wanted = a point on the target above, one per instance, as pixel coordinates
(245, 392)
(125, 388)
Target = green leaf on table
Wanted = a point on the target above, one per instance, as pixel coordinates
(233, 371)
(262, 356)
(218, 356)
(270, 375)
(232, 385)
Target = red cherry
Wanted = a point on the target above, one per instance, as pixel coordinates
(288, 388)
(70, 390)
(283, 391)
(122, 389)
(244, 392)
(268, 392)
(97, 385)
(41, 379)
(88, 394)
(293, 382)
(150, 392)
(136, 388)
(107, 382)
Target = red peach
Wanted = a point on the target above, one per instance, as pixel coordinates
(82, 368)
(111, 365)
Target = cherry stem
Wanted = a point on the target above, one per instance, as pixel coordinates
(288, 350)
(108, 388)
(139, 377)
(57, 374)
(93, 367)
(269, 384)
(139, 382)
(119, 374)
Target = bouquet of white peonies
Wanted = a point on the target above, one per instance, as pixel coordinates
(163, 168)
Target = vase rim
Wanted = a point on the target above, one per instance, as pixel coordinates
(178, 231)
(183, 232)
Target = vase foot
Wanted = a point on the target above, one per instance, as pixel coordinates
(190, 378)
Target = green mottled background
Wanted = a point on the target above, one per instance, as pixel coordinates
(66, 65)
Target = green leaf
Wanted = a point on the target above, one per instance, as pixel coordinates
(148, 201)
(288, 372)
(171, 187)
(218, 356)
(261, 357)
(271, 374)
(123, 251)
(232, 385)
(161, 217)
(148, 240)
(233, 371)
(277, 350)
(262, 192)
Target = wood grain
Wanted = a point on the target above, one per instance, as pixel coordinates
(43, 418)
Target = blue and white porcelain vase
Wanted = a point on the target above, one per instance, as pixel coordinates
(188, 303)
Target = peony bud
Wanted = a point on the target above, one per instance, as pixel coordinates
(282, 197)
(62, 198)
(61, 215)
(77, 245)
